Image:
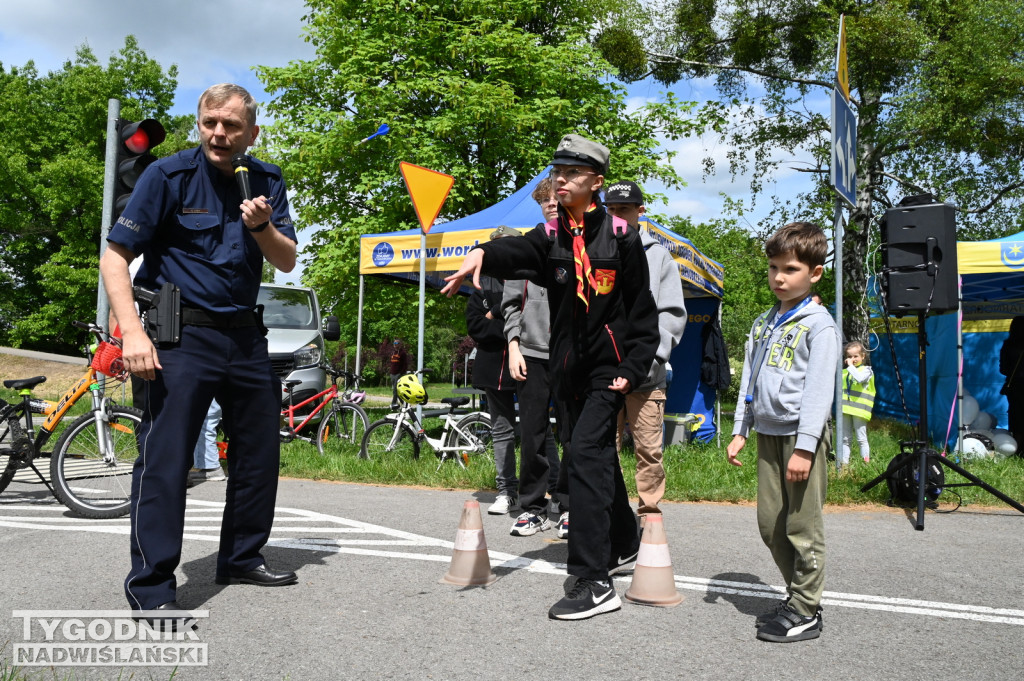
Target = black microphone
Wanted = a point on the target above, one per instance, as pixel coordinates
(241, 165)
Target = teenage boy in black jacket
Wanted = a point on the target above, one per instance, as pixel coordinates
(604, 335)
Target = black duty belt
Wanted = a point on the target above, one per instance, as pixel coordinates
(195, 316)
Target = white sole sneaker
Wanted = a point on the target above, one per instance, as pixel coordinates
(527, 525)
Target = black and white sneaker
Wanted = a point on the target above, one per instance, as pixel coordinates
(586, 599)
(766, 617)
(620, 564)
(788, 626)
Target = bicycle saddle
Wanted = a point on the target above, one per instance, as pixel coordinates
(22, 383)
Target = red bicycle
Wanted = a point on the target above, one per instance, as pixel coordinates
(342, 420)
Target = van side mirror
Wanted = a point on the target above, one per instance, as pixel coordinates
(332, 329)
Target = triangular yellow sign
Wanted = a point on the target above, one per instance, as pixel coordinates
(428, 190)
(842, 71)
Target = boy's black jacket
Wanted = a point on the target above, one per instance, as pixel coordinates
(618, 334)
(490, 368)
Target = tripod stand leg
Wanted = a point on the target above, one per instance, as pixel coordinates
(980, 483)
(922, 484)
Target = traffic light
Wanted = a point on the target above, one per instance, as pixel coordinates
(133, 155)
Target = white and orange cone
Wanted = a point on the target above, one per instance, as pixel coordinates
(653, 581)
(470, 566)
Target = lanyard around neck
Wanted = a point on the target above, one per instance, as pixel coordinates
(775, 320)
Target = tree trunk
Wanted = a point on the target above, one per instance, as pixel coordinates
(858, 230)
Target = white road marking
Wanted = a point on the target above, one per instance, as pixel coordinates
(291, 521)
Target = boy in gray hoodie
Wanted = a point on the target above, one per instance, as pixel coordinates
(787, 390)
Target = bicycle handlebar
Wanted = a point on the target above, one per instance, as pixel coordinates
(94, 329)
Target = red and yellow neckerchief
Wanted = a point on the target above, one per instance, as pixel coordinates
(584, 274)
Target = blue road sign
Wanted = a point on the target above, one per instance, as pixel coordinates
(844, 148)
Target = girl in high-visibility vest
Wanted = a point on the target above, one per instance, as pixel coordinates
(858, 399)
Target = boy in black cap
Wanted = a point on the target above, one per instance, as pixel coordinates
(645, 406)
(604, 333)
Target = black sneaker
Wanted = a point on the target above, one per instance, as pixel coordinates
(586, 599)
(788, 626)
(620, 564)
(766, 617)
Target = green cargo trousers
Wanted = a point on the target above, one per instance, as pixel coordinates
(790, 519)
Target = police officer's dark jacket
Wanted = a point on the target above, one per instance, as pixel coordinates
(185, 218)
(618, 334)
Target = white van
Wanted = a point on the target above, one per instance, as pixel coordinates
(296, 338)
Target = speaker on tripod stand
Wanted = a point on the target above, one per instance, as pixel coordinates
(919, 268)
(920, 275)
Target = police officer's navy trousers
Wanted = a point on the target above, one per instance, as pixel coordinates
(602, 521)
(232, 366)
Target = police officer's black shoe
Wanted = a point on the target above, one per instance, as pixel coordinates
(167, 617)
(260, 576)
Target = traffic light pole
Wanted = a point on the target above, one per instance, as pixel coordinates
(109, 179)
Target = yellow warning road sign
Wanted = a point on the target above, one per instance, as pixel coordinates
(428, 190)
(842, 72)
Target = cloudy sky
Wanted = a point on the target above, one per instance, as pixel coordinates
(214, 41)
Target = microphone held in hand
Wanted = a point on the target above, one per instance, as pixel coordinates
(241, 165)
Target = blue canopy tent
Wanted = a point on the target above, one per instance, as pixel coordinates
(991, 294)
(397, 254)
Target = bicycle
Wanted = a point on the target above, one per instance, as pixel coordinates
(343, 421)
(399, 435)
(91, 465)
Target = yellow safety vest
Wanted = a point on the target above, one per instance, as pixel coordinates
(858, 399)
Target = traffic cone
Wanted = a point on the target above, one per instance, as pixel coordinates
(471, 566)
(653, 581)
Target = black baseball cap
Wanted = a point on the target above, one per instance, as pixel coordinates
(624, 192)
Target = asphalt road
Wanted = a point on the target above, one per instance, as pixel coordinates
(947, 602)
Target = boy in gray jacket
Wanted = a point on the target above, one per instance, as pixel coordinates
(528, 331)
(645, 406)
(787, 390)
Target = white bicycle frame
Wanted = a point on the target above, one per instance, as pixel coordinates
(408, 416)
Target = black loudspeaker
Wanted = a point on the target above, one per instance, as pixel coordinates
(919, 257)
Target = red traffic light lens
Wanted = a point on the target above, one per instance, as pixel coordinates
(138, 143)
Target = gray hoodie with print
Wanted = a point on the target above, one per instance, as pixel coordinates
(796, 385)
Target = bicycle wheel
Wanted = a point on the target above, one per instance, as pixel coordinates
(341, 429)
(478, 426)
(13, 456)
(82, 479)
(385, 440)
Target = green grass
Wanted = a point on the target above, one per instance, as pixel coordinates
(697, 472)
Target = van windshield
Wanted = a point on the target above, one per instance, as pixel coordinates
(285, 308)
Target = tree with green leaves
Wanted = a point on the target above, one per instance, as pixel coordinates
(52, 147)
(938, 86)
(480, 90)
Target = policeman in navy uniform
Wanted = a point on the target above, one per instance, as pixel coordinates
(188, 217)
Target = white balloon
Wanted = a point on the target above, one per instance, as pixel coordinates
(974, 448)
(983, 421)
(970, 408)
(1005, 444)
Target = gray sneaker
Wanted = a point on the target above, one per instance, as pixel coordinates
(503, 504)
(207, 475)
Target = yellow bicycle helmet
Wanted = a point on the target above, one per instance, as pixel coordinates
(411, 390)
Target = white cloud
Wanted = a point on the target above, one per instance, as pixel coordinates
(701, 199)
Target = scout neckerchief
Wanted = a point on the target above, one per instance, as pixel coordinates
(775, 320)
(579, 255)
